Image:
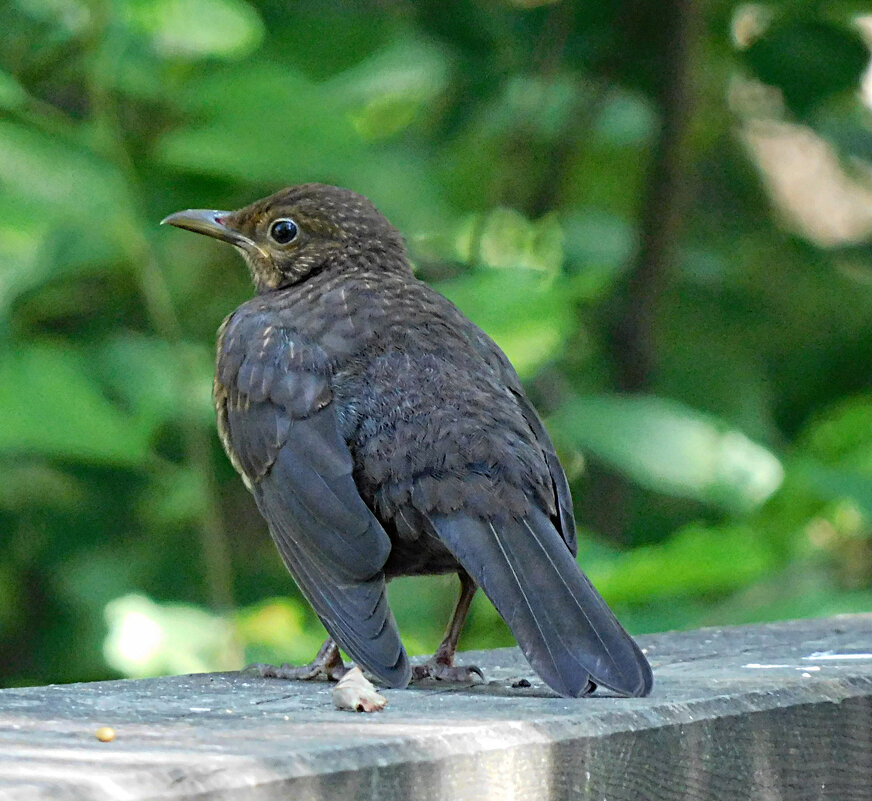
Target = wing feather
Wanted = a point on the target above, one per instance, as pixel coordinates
(489, 350)
(278, 424)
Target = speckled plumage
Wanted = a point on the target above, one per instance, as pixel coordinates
(383, 434)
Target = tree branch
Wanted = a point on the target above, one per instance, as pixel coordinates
(633, 341)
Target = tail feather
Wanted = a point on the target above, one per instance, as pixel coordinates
(565, 629)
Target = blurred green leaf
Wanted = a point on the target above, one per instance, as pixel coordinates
(834, 483)
(64, 179)
(194, 29)
(21, 235)
(696, 561)
(176, 497)
(671, 448)
(148, 639)
(505, 239)
(39, 485)
(841, 434)
(12, 93)
(143, 371)
(386, 92)
(625, 120)
(295, 130)
(71, 15)
(539, 104)
(37, 249)
(809, 59)
(290, 129)
(51, 407)
(278, 630)
(529, 315)
(598, 247)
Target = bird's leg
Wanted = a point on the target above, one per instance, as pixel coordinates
(441, 666)
(327, 663)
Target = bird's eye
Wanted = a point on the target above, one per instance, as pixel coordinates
(283, 231)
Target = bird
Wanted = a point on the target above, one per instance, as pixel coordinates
(383, 434)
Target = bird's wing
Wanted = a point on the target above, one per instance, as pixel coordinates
(280, 428)
(565, 629)
(565, 515)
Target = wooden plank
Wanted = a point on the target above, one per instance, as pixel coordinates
(778, 711)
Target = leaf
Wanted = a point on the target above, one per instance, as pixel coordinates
(174, 497)
(529, 315)
(195, 29)
(695, 561)
(626, 120)
(144, 371)
(387, 91)
(69, 16)
(598, 246)
(21, 268)
(52, 408)
(832, 483)
(809, 60)
(147, 639)
(505, 239)
(59, 177)
(293, 131)
(277, 630)
(12, 94)
(39, 485)
(842, 434)
(279, 137)
(64, 208)
(668, 447)
(541, 106)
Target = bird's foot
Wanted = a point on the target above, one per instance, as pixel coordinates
(328, 663)
(442, 671)
(313, 670)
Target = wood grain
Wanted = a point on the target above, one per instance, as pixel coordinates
(741, 713)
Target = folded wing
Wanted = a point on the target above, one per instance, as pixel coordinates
(278, 423)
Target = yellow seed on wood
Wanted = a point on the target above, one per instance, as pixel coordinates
(105, 734)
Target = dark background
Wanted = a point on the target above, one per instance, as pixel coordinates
(661, 210)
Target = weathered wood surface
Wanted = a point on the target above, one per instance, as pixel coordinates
(781, 711)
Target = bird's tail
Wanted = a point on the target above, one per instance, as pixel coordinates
(565, 629)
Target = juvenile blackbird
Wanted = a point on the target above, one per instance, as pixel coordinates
(383, 434)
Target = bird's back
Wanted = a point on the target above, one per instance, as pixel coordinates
(431, 422)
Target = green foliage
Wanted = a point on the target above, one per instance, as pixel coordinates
(672, 449)
(531, 316)
(52, 409)
(147, 639)
(523, 149)
(808, 59)
(696, 562)
(194, 29)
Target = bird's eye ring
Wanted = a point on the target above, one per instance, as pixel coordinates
(283, 231)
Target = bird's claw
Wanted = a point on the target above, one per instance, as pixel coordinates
(467, 674)
(314, 670)
(328, 663)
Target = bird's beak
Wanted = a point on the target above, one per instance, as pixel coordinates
(209, 222)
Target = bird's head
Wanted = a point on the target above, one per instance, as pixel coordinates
(287, 236)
